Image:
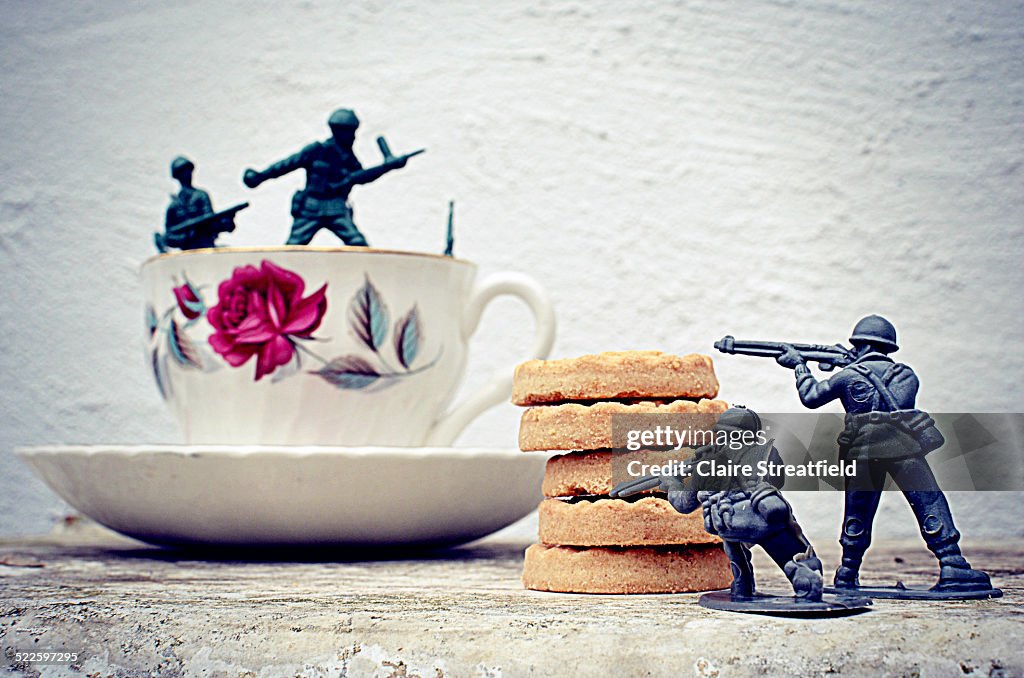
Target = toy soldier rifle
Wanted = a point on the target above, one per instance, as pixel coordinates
(215, 222)
(389, 157)
(627, 488)
(827, 357)
(450, 245)
(365, 176)
(198, 232)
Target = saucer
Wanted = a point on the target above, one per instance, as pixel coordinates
(261, 496)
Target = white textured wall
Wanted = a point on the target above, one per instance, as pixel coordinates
(670, 171)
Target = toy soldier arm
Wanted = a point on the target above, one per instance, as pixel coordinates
(775, 458)
(390, 162)
(171, 216)
(365, 176)
(253, 178)
(814, 393)
(203, 203)
(177, 228)
(684, 501)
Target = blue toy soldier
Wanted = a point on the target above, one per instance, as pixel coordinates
(887, 436)
(744, 509)
(190, 222)
(332, 169)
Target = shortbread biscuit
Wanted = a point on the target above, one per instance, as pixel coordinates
(573, 426)
(632, 570)
(576, 473)
(648, 521)
(614, 376)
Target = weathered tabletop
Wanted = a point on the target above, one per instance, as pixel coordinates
(137, 610)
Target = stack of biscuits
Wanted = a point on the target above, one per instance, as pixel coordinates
(589, 542)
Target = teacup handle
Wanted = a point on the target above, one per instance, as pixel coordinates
(448, 427)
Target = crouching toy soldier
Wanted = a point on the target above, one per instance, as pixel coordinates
(744, 510)
(332, 169)
(887, 436)
(190, 222)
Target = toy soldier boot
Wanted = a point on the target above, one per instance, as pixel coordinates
(742, 573)
(956, 574)
(847, 577)
(856, 537)
(804, 573)
(943, 540)
(792, 552)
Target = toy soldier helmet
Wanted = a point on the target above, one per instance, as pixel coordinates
(877, 331)
(739, 418)
(343, 117)
(180, 163)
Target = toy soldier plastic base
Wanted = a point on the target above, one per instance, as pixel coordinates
(903, 592)
(803, 571)
(786, 606)
(888, 437)
(745, 510)
(332, 170)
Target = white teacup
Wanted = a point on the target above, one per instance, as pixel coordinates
(345, 346)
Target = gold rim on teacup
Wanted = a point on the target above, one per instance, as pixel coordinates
(303, 248)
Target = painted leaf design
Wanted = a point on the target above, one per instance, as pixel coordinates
(348, 371)
(159, 375)
(369, 316)
(181, 347)
(407, 337)
(151, 320)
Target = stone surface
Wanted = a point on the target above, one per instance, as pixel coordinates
(672, 172)
(135, 610)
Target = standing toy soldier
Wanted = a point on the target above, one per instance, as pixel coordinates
(887, 436)
(190, 222)
(746, 509)
(332, 169)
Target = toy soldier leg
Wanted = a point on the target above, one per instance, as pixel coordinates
(177, 238)
(344, 228)
(859, 515)
(917, 481)
(794, 556)
(742, 573)
(303, 230)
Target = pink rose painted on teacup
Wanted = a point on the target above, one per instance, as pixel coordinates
(262, 312)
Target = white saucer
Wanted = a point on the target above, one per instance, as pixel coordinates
(297, 496)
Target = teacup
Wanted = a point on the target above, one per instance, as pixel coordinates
(343, 346)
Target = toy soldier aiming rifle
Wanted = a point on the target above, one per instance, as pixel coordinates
(332, 169)
(888, 436)
(744, 510)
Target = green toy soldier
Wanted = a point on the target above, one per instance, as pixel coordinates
(332, 169)
(190, 222)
